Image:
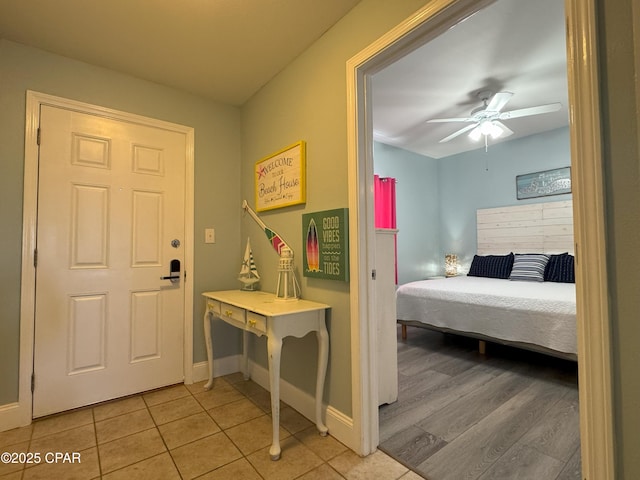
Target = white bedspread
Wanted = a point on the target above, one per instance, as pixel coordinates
(539, 313)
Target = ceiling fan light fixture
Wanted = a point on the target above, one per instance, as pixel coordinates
(497, 132)
(484, 121)
(486, 128)
(475, 134)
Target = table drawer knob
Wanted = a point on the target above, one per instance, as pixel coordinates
(228, 313)
(252, 323)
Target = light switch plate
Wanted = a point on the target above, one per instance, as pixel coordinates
(209, 235)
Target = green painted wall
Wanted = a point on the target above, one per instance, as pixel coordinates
(217, 176)
(619, 33)
(307, 101)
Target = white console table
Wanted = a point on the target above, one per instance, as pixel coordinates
(261, 314)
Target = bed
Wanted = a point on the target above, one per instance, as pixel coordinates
(525, 300)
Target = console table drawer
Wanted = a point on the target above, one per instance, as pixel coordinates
(213, 306)
(256, 323)
(233, 314)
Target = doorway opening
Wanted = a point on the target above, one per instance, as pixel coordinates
(448, 391)
(593, 345)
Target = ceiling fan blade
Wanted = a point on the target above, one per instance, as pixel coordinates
(459, 132)
(506, 131)
(498, 101)
(524, 112)
(443, 120)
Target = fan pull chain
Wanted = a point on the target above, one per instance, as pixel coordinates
(486, 151)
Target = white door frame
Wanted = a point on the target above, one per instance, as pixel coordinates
(22, 411)
(595, 377)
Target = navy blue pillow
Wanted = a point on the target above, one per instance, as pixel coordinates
(560, 268)
(491, 266)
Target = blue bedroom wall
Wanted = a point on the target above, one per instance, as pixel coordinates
(473, 180)
(440, 197)
(417, 207)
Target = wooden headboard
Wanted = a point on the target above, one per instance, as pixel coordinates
(530, 228)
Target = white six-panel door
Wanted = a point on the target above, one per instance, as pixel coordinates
(111, 208)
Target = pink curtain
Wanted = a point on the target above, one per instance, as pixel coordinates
(385, 201)
(384, 195)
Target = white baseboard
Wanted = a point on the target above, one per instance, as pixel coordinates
(221, 366)
(340, 425)
(13, 415)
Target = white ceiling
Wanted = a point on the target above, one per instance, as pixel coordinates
(224, 50)
(512, 45)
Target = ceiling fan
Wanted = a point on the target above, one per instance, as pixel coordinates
(485, 120)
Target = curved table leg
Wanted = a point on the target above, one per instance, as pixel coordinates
(207, 339)
(274, 349)
(323, 357)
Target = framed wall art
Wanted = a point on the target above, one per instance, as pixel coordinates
(280, 178)
(542, 184)
(325, 240)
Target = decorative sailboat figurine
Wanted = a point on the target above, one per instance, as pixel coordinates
(248, 272)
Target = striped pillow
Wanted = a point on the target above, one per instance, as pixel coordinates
(529, 267)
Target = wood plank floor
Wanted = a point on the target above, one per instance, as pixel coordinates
(508, 415)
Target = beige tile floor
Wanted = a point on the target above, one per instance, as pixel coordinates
(184, 432)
